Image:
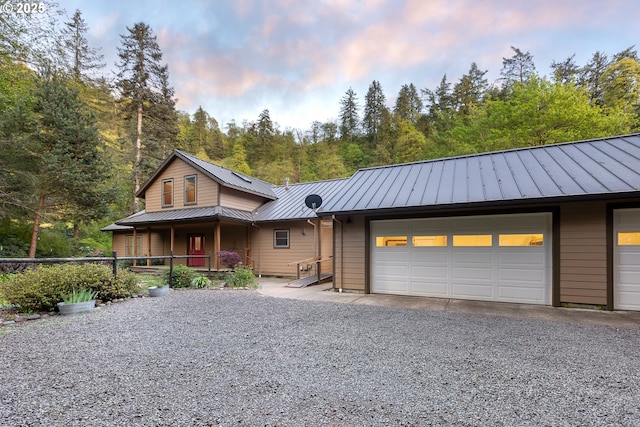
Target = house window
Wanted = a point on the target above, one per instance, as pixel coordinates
(281, 239)
(190, 190)
(167, 192)
(128, 246)
(391, 241)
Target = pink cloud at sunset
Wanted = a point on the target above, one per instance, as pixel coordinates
(297, 59)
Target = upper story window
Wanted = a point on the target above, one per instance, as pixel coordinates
(190, 190)
(167, 192)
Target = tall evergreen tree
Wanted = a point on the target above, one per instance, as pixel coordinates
(566, 71)
(440, 105)
(82, 58)
(408, 105)
(349, 116)
(375, 110)
(590, 75)
(65, 154)
(143, 81)
(470, 90)
(162, 124)
(517, 69)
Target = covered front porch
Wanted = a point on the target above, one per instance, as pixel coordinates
(203, 239)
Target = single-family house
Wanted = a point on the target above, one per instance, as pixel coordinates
(554, 225)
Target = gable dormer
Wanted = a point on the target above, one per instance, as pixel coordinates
(183, 181)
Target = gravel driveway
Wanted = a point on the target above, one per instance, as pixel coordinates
(211, 357)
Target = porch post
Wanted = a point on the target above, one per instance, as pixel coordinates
(247, 250)
(173, 238)
(135, 246)
(216, 245)
(149, 246)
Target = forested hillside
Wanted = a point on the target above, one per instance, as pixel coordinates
(77, 141)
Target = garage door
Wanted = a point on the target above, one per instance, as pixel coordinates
(626, 259)
(493, 258)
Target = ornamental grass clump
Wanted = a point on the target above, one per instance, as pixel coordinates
(83, 295)
(200, 282)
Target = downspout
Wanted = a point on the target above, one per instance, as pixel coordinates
(341, 251)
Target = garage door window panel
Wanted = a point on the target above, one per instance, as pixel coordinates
(471, 240)
(629, 238)
(429, 241)
(521, 240)
(382, 241)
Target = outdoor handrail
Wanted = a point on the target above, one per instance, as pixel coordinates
(302, 261)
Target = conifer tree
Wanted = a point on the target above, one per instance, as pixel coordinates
(145, 95)
(408, 105)
(82, 58)
(349, 119)
(375, 110)
(65, 156)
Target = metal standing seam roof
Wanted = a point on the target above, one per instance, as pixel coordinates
(593, 167)
(223, 176)
(290, 202)
(186, 214)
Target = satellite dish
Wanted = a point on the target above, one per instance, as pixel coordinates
(313, 201)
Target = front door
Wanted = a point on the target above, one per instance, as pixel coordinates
(196, 247)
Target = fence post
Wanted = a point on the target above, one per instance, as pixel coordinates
(114, 255)
(171, 270)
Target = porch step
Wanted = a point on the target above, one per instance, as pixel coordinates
(311, 280)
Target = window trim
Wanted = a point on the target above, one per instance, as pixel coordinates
(275, 238)
(128, 245)
(163, 193)
(195, 190)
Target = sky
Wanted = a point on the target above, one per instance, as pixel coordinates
(298, 58)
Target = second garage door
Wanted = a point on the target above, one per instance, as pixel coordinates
(491, 257)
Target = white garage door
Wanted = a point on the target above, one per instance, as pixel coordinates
(494, 258)
(626, 259)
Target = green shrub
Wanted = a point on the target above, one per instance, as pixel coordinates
(200, 282)
(41, 288)
(242, 277)
(182, 276)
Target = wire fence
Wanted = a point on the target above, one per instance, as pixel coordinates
(14, 265)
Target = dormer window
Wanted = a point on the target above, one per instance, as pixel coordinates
(190, 190)
(167, 193)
